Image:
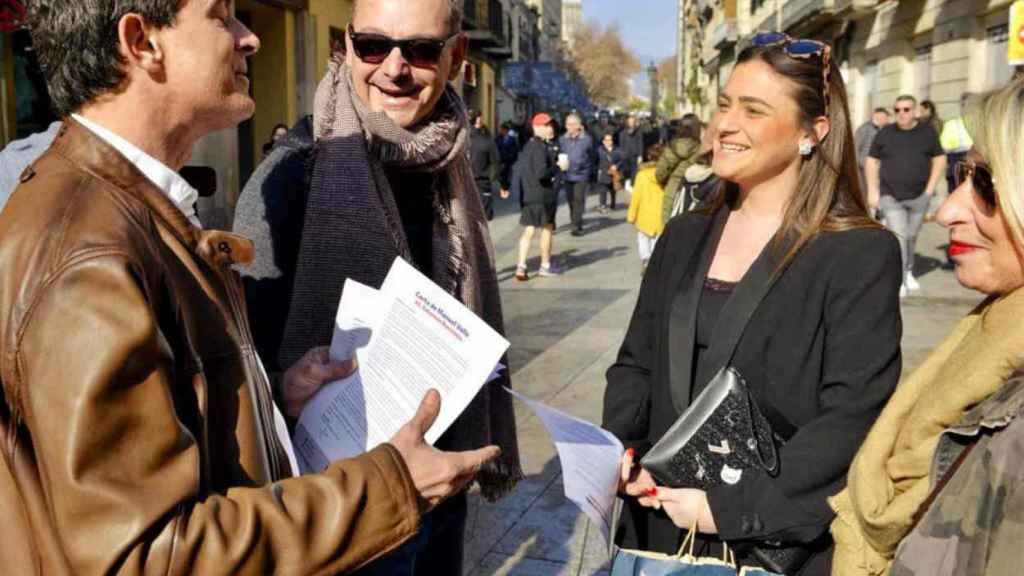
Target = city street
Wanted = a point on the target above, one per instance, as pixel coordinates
(565, 333)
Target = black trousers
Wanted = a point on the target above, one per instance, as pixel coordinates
(576, 195)
(605, 190)
(487, 197)
(951, 160)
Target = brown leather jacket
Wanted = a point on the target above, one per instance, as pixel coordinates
(137, 422)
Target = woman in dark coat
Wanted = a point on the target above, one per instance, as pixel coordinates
(821, 353)
(610, 166)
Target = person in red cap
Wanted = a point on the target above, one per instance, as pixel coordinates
(533, 177)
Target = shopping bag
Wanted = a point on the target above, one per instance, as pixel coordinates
(683, 563)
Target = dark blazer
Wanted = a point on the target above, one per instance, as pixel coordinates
(822, 351)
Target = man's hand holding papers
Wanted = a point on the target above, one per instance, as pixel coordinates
(408, 337)
(303, 380)
(437, 475)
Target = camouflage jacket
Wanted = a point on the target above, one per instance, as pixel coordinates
(976, 524)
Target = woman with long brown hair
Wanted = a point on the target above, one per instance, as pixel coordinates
(821, 352)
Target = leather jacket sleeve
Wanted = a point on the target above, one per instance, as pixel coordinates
(125, 477)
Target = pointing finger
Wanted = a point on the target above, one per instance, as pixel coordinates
(472, 462)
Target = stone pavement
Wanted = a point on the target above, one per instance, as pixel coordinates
(565, 333)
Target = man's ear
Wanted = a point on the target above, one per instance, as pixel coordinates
(139, 44)
(350, 54)
(458, 57)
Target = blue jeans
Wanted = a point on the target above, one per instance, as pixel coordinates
(435, 549)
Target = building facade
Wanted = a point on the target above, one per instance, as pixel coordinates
(572, 20)
(490, 27)
(931, 49)
(297, 38)
(550, 26)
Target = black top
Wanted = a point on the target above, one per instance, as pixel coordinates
(822, 350)
(906, 159)
(632, 146)
(534, 173)
(715, 294)
(484, 159)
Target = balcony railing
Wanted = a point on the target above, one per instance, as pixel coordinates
(795, 11)
(724, 34)
(487, 30)
(856, 7)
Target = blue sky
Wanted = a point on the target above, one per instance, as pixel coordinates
(647, 26)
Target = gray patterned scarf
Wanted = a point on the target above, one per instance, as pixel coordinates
(351, 204)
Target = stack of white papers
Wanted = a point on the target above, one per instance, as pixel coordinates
(409, 336)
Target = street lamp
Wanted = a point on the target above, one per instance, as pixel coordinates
(652, 74)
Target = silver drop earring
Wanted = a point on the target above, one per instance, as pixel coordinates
(806, 148)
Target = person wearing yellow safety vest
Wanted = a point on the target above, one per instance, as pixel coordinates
(955, 141)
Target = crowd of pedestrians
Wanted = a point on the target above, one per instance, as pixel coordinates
(602, 158)
(153, 369)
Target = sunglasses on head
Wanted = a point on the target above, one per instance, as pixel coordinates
(800, 49)
(981, 180)
(419, 52)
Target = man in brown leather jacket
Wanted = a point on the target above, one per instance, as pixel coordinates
(139, 431)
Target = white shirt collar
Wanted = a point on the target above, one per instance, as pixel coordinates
(177, 190)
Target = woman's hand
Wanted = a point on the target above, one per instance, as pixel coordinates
(685, 507)
(635, 481)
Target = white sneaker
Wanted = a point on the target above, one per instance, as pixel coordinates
(903, 290)
(910, 282)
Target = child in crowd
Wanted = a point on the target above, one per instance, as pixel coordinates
(645, 205)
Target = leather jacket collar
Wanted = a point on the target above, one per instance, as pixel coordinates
(79, 145)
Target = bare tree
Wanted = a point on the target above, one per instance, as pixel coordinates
(667, 75)
(603, 63)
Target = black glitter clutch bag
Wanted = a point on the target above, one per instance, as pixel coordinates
(720, 436)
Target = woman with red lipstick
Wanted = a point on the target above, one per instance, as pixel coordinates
(821, 353)
(938, 486)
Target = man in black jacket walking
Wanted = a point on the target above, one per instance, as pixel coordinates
(533, 177)
(485, 162)
(631, 146)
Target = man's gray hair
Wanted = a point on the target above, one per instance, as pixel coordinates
(78, 46)
(454, 14)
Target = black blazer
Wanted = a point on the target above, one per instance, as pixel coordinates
(822, 351)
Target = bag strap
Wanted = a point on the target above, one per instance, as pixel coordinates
(736, 315)
(923, 508)
(745, 299)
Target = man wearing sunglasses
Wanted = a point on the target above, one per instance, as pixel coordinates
(141, 434)
(387, 176)
(902, 170)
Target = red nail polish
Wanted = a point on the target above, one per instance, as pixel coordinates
(630, 452)
(653, 492)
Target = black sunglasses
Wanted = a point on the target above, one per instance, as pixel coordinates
(981, 179)
(418, 52)
(800, 49)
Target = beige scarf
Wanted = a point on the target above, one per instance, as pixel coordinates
(889, 477)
